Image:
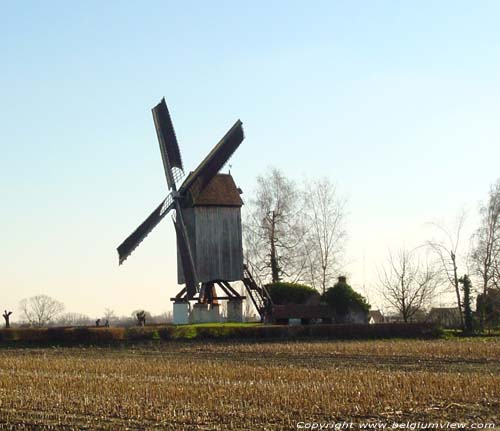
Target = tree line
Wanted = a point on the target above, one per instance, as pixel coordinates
(42, 310)
(296, 232)
(451, 262)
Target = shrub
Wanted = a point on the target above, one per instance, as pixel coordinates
(343, 298)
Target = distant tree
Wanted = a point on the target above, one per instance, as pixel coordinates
(6, 316)
(273, 229)
(468, 319)
(324, 219)
(109, 315)
(145, 313)
(73, 319)
(406, 283)
(40, 310)
(125, 321)
(486, 253)
(161, 318)
(446, 247)
(141, 316)
(344, 299)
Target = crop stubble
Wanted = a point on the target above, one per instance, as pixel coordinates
(244, 386)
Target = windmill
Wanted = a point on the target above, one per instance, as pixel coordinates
(206, 211)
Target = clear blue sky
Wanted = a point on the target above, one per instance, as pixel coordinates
(397, 102)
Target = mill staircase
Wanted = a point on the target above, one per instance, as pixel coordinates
(258, 294)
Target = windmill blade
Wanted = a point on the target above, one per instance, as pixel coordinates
(169, 147)
(136, 237)
(216, 159)
(190, 276)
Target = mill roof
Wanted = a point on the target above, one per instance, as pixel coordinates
(220, 191)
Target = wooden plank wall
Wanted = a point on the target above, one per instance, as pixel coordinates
(216, 242)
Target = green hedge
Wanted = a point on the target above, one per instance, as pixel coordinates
(290, 293)
(109, 336)
(62, 335)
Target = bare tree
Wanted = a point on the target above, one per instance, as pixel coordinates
(325, 232)
(446, 248)
(274, 230)
(73, 319)
(142, 316)
(109, 315)
(6, 315)
(486, 253)
(165, 317)
(406, 283)
(40, 310)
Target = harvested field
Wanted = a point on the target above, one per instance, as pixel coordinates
(249, 386)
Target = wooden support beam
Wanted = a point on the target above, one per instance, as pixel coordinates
(224, 298)
(231, 288)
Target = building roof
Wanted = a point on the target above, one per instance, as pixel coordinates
(221, 191)
(377, 316)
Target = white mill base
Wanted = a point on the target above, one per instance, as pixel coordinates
(235, 310)
(204, 313)
(181, 313)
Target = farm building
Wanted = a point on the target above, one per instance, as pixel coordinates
(299, 304)
(375, 316)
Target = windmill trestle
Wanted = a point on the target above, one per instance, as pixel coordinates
(206, 308)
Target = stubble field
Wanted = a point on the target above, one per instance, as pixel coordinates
(249, 386)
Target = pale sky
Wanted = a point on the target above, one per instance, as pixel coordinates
(396, 102)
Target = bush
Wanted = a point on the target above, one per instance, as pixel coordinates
(290, 293)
